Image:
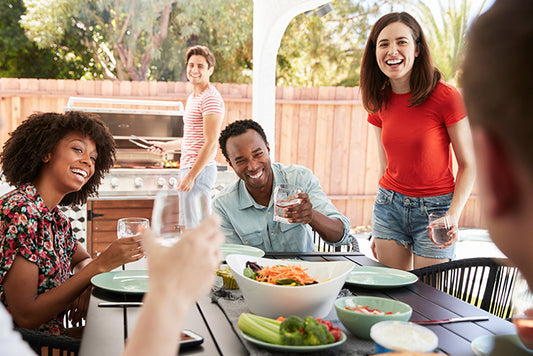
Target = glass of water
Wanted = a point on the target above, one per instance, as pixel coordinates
(284, 196)
(439, 227)
(127, 227)
(174, 212)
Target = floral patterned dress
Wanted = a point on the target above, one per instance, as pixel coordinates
(25, 225)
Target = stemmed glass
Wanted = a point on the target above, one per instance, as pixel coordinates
(523, 311)
(127, 227)
(175, 212)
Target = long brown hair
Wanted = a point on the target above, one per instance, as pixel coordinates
(424, 75)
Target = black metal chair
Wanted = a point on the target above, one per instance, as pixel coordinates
(484, 282)
(50, 345)
(323, 246)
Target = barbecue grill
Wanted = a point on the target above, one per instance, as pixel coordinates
(138, 174)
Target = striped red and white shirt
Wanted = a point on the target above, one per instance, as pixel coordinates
(207, 102)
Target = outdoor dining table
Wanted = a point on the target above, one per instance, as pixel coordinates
(107, 328)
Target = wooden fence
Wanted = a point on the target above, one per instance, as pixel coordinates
(322, 128)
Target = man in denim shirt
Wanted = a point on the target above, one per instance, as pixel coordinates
(247, 207)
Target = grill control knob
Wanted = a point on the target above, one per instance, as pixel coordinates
(114, 182)
(172, 182)
(138, 182)
(161, 182)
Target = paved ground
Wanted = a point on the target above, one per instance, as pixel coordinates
(472, 243)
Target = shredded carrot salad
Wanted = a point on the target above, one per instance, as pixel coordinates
(275, 273)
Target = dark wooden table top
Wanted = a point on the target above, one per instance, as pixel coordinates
(107, 328)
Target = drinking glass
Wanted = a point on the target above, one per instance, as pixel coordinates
(284, 196)
(439, 227)
(127, 227)
(175, 212)
(523, 311)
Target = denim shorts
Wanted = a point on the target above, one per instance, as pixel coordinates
(404, 219)
(204, 182)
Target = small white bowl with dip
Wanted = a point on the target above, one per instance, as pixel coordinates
(391, 336)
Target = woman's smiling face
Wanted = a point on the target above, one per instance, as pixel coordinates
(72, 162)
(396, 51)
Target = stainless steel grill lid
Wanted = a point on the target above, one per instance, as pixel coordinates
(149, 119)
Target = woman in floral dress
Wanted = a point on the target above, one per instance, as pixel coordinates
(52, 159)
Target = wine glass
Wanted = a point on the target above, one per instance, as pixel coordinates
(523, 311)
(175, 212)
(127, 227)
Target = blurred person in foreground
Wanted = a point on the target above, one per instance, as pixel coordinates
(417, 119)
(179, 276)
(53, 160)
(202, 122)
(247, 206)
(497, 77)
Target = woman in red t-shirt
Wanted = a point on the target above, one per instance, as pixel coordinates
(416, 116)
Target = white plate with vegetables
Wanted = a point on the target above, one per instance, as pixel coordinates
(291, 334)
(287, 348)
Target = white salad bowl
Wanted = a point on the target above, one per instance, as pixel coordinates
(272, 301)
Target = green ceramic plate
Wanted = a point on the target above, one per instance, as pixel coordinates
(234, 249)
(380, 277)
(134, 281)
(286, 348)
(484, 345)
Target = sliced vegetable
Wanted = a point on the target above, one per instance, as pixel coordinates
(279, 274)
(365, 309)
(262, 328)
(293, 330)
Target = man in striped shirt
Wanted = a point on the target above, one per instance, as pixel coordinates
(202, 121)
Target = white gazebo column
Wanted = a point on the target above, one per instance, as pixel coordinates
(271, 18)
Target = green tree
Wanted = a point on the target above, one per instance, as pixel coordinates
(327, 51)
(147, 40)
(20, 57)
(223, 26)
(446, 34)
(121, 35)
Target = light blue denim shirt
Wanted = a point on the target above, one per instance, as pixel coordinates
(246, 222)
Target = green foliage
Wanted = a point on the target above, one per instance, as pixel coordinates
(223, 26)
(19, 57)
(446, 34)
(327, 51)
(132, 40)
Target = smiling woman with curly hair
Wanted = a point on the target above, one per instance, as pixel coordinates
(52, 159)
(22, 157)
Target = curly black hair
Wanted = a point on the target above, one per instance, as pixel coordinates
(38, 135)
(237, 128)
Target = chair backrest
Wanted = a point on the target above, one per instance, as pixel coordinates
(323, 246)
(484, 282)
(50, 345)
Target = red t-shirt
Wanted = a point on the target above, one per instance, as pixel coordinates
(416, 142)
